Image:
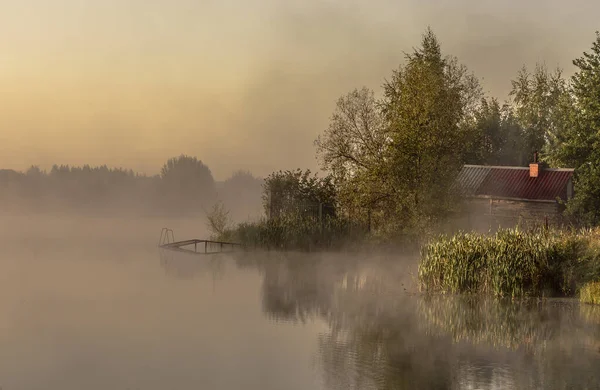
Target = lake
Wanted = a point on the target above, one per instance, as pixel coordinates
(93, 304)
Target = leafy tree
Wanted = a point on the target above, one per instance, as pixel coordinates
(429, 106)
(291, 192)
(580, 143)
(397, 158)
(500, 139)
(352, 148)
(542, 106)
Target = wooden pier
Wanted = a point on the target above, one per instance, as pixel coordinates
(195, 246)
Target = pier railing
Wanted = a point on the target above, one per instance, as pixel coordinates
(167, 241)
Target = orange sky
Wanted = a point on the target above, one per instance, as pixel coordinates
(239, 84)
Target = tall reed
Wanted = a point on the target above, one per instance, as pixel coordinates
(511, 262)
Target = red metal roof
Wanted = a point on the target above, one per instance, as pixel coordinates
(514, 182)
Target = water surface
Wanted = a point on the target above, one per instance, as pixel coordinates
(97, 310)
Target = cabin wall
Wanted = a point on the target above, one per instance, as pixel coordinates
(484, 215)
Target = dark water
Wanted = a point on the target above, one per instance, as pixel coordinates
(110, 315)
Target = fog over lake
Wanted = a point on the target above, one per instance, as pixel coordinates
(92, 303)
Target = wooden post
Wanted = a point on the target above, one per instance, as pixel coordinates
(195, 247)
(205, 246)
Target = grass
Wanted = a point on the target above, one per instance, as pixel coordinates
(512, 262)
(590, 293)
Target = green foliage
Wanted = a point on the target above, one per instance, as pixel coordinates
(352, 148)
(510, 262)
(580, 144)
(395, 161)
(542, 105)
(499, 138)
(293, 192)
(300, 213)
(296, 232)
(428, 106)
(590, 293)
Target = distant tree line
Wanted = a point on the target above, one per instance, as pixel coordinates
(185, 186)
(391, 162)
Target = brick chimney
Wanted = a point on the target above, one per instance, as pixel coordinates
(534, 168)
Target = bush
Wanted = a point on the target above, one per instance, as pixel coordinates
(511, 262)
(297, 232)
(590, 293)
(218, 222)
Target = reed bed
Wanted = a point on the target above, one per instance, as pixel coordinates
(511, 262)
(590, 293)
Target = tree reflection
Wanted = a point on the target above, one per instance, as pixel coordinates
(295, 289)
(380, 337)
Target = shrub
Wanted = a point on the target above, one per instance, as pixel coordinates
(296, 232)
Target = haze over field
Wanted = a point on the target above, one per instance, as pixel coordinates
(131, 83)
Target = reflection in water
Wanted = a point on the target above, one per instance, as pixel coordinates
(99, 316)
(523, 324)
(190, 266)
(381, 337)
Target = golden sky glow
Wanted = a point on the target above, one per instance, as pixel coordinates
(239, 84)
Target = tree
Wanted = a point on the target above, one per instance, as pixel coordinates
(293, 192)
(499, 137)
(580, 143)
(352, 148)
(396, 159)
(187, 178)
(429, 106)
(242, 193)
(218, 221)
(542, 105)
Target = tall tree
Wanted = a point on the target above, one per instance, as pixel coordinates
(580, 143)
(429, 107)
(542, 106)
(397, 158)
(352, 148)
(499, 138)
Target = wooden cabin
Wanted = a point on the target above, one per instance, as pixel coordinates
(505, 196)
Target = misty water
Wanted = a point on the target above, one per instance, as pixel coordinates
(92, 303)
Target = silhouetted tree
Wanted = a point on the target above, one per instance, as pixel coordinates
(187, 179)
(242, 195)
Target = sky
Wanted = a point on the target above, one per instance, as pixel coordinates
(239, 84)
